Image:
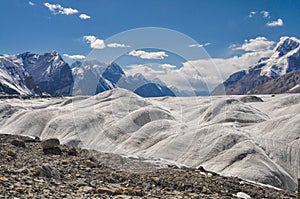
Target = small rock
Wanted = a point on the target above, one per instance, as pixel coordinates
(91, 164)
(50, 171)
(3, 179)
(32, 139)
(201, 169)
(11, 153)
(35, 172)
(250, 98)
(105, 190)
(94, 183)
(20, 189)
(18, 143)
(81, 182)
(157, 181)
(93, 159)
(72, 152)
(243, 195)
(86, 189)
(53, 151)
(131, 192)
(28, 182)
(50, 143)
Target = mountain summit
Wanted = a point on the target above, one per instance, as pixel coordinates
(276, 74)
(34, 74)
(93, 77)
(49, 71)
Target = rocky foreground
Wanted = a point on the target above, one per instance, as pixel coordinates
(30, 168)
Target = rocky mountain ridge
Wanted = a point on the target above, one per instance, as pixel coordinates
(93, 77)
(30, 74)
(276, 74)
(34, 74)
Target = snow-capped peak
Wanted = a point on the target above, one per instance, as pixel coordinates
(286, 44)
(286, 58)
(54, 53)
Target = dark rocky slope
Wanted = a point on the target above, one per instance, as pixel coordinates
(28, 171)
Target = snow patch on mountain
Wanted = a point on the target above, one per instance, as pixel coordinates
(287, 49)
(13, 76)
(276, 74)
(93, 77)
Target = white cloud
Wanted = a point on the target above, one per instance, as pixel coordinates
(170, 77)
(251, 14)
(216, 70)
(279, 22)
(168, 66)
(69, 11)
(148, 55)
(116, 45)
(254, 45)
(94, 42)
(31, 3)
(197, 74)
(84, 16)
(198, 45)
(58, 9)
(74, 56)
(265, 14)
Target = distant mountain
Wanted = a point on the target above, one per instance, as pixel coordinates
(88, 79)
(145, 87)
(14, 79)
(49, 71)
(133, 82)
(33, 74)
(276, 74)
(93, 77)
(113, 73)
(288, 83)
(153, 90)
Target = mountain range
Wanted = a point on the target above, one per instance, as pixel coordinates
(93, 77)
(34, 74)
(278, 73)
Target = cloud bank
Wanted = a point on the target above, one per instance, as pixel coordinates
(148, 55)
(255, 45)
(74, 56)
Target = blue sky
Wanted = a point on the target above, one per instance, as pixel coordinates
(232, 32)
(35, 28)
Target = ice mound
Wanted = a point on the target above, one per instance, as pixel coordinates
(136, 119)
(250, 98)
(232, 110)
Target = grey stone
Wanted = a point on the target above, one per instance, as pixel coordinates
(50, 172)
(18, 143)
(50, 143)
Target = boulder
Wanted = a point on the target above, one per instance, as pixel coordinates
(18, 143)
(51, 146)
(50, 172)
(50, 143)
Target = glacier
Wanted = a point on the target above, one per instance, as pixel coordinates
(254, 138)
